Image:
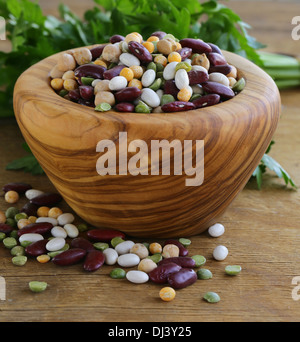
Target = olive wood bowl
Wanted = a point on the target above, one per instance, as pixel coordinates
(63, 136)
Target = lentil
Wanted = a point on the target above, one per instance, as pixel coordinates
(43, 259)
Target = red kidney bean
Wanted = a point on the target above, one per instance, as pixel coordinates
(216, 59)
(20, 188)
(69, 257)
(93, 261)
(177, 106)
(74, 95)
(37, 248)
(46, 199)
(116, 38)
(113, 72)
(97, 51)
(90, 70)
(160, 274)
(197, 77)
(88, 103)
(207, 100)
(223, 69)
(159, 34)
(182, 250)
(183, 278)
(86, 92)
(128, 94)
(82, 243)
(5, 228)
(104, 234)
(139, 51)
(218, 88)
(30, 209)
(185, 53)
(36, 228)
(215, 48)
(198, 46)
(125, 107)
(184, 262)
(170, 88)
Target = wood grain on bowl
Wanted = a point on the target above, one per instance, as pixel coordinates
(63, 136)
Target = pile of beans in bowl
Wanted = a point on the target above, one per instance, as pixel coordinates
(157, 75)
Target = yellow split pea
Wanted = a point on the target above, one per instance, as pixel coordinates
(167, 294)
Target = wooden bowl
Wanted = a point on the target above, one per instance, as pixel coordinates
(63, 137)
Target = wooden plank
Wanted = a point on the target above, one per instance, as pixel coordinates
(261, 234)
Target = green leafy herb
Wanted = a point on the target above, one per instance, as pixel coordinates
(27, 163)
(268, 162)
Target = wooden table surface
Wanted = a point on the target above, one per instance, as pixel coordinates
(262, 232)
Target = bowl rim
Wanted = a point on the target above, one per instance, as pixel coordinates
(41, 89)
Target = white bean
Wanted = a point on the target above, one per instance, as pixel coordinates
(128, 260)
(219, 78)
(31, 237)
(199, 68)
(59, 232)
(216, 230)
(51, 220)
(65, 219)
(160, 93)
(220, 253)
(55, 244)
(117, 83)
(111, 256)
(150, 97)
(129, 60)
(148, 78)
(182, 79)
(197, 89)
(71, 230)
(124, 247)
(170, 71)
(30, 194)
(137, 277)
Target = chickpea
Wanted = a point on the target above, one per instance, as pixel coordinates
(66, 62)
(11, 197)
(132, 37)
(170, 251)
(201, 60)
(55, 212)
(140, 250)
(233, 72)
(146, 265)
(105, 97)
(83, 56)
(70, 84)
(232, 81)
(111, 53)
(2, 217)
(68, 75)
(102, 85)
(56, 73)
(57, 84)
(23, 223)
(166, 46)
